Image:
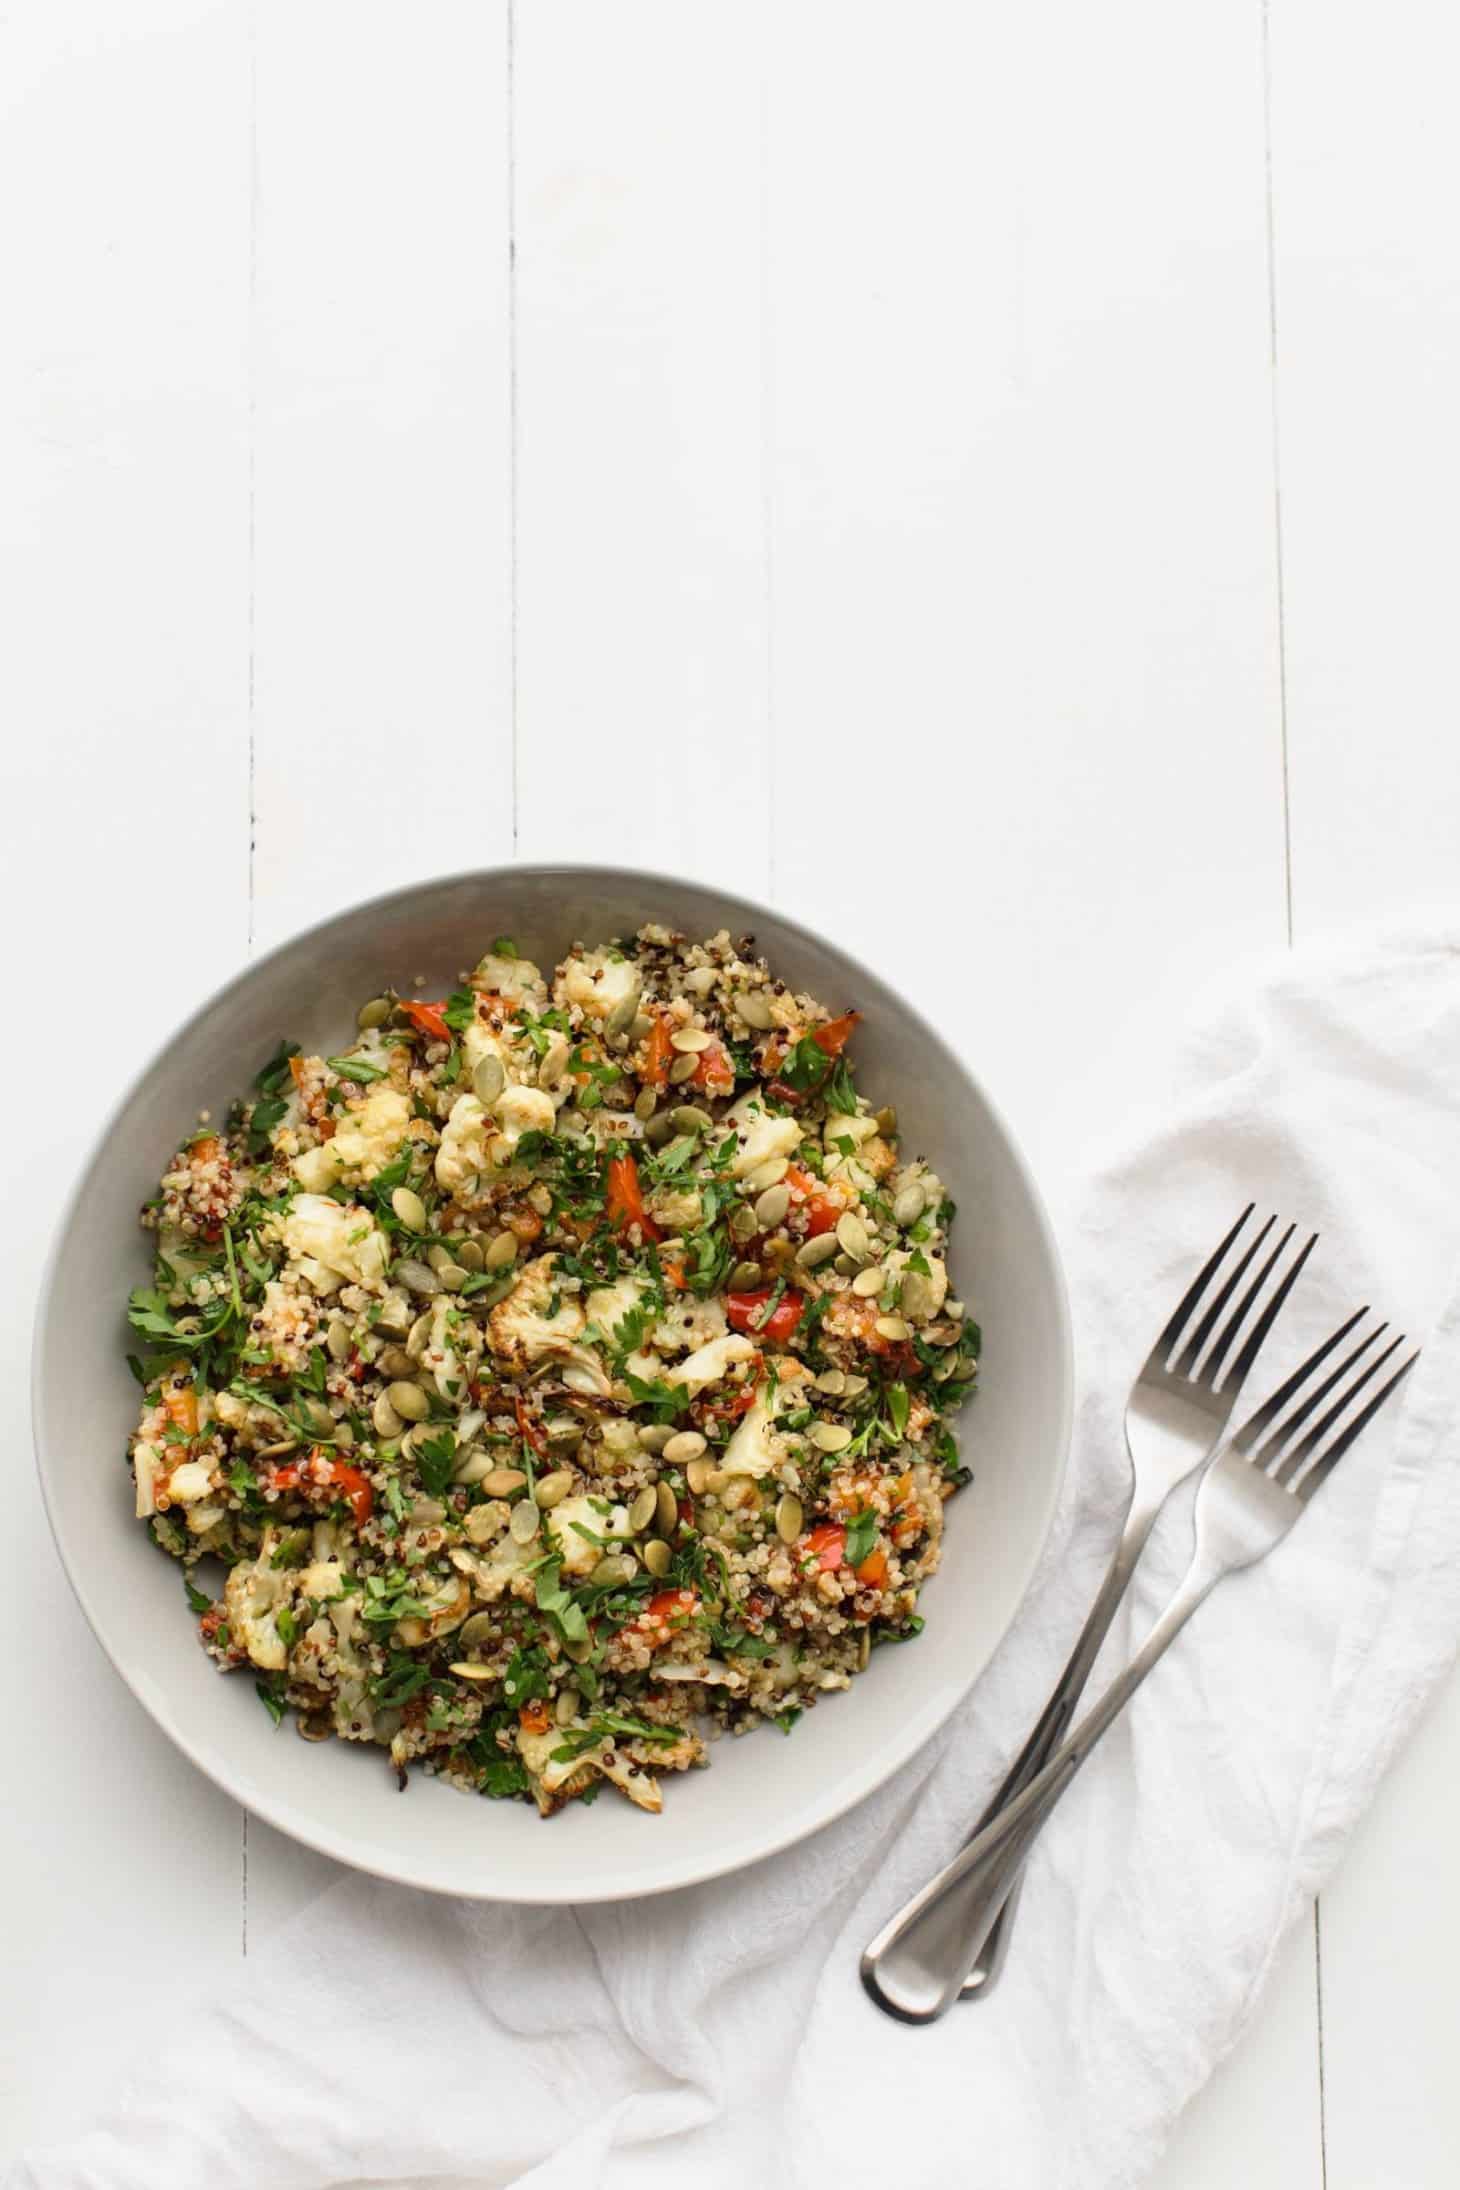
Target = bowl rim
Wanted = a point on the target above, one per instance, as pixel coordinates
(886, 1758)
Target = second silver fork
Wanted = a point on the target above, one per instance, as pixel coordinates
(1178, 1411)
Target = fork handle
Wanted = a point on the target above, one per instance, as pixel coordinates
(1052, 1725)
(916, 1965)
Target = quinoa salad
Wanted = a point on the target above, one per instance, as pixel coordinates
(559, 1376)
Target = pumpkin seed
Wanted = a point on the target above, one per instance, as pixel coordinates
(417, 1278)
(689, 1041)
(745, 1277)
(643, 1024)
(440, 1258)
(654, 1436)
(386, 1422)
(754, 1008)
(318, 1416)
(551, 1490)
(867, 1282)
(501, 1252)
(579, 1650)
(501, 1482)
(525, 1521)
(855, 1386)
(554, 1061)
(769, 1173)
(909, 1205)
(790, 1515)
(344, 1434)
(338, 1339)
(646, 1102)
(830, 1436)
(427, 1513)
(658, 1557)
(844, 1265)
(697, 1475)
(395, 1361)
(625, 1011)
(742, 1222)
(892, 1327)
(473, 1465)
(374, 1014)
(565, 1431)
(852, 1236)
(683, 1068)
(272, 1452)
(812, 1252)
(691, 1119)
(471, 1255)
(418, 1337)
(915, 1296)
(771, 1207)
(684, 1445)
(716, 1480)
(864, 1649)
(315, 1729)
(489, 1078)
(643, 1510)
(453, 1277)
(617, 1567)
(659, 1130)
(410, 1208)
(666, 1508)
(831, 1380)
(409, 1401)
(466, 1671)
(565, 1710)
(887, 1119)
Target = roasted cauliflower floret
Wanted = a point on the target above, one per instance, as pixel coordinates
(761, 1136)
(461, 1158)
(535, 1319)
(254, 1595)
(567, 1523)
(707, 1364)
(601, 984)
(518, 979)
(334, 1243)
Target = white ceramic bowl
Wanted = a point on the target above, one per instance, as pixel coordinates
(762, 1792)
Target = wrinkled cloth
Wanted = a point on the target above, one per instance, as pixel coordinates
(719, 2035)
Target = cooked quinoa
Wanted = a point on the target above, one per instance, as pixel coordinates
(562, 1372)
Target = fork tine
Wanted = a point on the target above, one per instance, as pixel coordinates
(1257, 1336)
(1208, 1322)
(1246, 1437)
(1293, 1462)
(1162, 1348)
(1272, 1448)
(1326, 1462)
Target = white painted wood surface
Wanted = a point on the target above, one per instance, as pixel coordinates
(695, 436)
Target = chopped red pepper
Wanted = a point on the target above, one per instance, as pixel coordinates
(872, 1573)
(532, 1432)
(658, 1054)
(624, 1198)
(745, 1311)
(834, 1036)
(826, 1544)
(320, 1472)
(355, 1488)
(181, 1405)
(713, 1073)
(666, 1613)
(823, 1211)
(533, 1717)
(427, 1017)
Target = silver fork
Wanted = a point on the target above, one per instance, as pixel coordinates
(1251, 1493)
(1177, 1412)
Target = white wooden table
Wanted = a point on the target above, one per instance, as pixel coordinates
(747, 440)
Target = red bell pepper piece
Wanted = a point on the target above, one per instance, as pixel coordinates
(624, 1199)
(745, 1311)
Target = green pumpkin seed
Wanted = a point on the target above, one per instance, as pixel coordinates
(771, 1207)
(473, 1465)
(579, 1650)
(554, 1061)
(489, 1078)
(502, 1482)
(386, 1422)
(855, 1386)
(852, 1237)
(315, 1729)
(754, 1009)
(525, 1522)
(892, 1327)
(684, 1445)
(624, 1012)
(654, 1436)
(409, 1401)
(551, 1490)
(344, 1435)
(659, 1130)
(790, 1516)
(410, 1208)
(745, 1277)
(716, 1481)
(868, 1282)
(565, 1431)
(643, 1510)
(909, 1205)
(697, 1475)
(830, 1436)
(395, 1361)
(769, 1173)
(418, 1338)
(466, 1670)
(886, 1119)
(831, 1380)
(658, 1557)
(666, 1509)
(844, 1265)
(440, 1258)
(501, 1252)
(617, 1567)
(319, 1418)
(689, 1041)
(565, 1710)
(646, 1102)
(813, 1252)
(426, 1513)
(477, 1632)
(683, 1068)
(915, 1296)
(338, 1339)
(453, 1277)
(691, 1119)
(864, 1649)
(742, 1222)
(471, 1256)
(374, 1014)
(417, 1278)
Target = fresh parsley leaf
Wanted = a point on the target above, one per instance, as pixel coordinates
(460, 1010)
(436, 1460)
(356, 1068)
(404, 1677)
(861, 1536)
(897, 1408)
(197, 1601)
(270, 1077)
(272, 1699)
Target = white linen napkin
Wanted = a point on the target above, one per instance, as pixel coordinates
(720, 2035)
